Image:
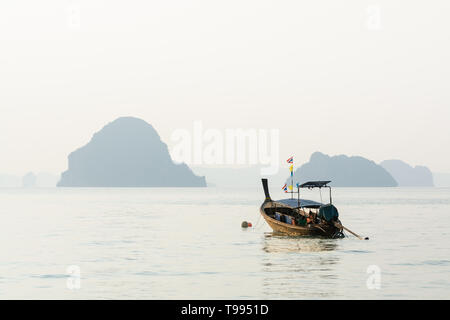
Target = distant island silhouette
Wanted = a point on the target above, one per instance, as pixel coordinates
(29, 180)
(408, 176)
(344, 171)
(127, 152)
(441, 179)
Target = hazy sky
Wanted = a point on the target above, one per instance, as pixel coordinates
(333, 76)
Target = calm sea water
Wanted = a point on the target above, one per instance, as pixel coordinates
(188, 243)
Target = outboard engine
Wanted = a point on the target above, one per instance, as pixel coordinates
(329, 213)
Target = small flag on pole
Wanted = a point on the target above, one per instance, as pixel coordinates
(290, 187)
(290, 160)
(285, 187)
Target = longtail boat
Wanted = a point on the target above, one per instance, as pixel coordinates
(301, 217)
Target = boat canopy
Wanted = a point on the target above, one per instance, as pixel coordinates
(304, 203)
(314, 184)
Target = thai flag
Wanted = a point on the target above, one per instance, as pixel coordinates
(285, 187)
(290, 160)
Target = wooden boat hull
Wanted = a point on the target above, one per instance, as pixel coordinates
(293, 230)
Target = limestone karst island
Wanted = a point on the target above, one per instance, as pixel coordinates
(127, 152)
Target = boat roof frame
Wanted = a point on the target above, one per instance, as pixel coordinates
(312, 185)
(315, 184)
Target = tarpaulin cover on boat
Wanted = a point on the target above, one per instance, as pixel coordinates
(328, 212)
(303, 203)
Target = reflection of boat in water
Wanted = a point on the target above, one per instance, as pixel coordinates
(274, 243)
(301, 217)
(306, 269)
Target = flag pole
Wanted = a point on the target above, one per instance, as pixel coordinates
(292, 179)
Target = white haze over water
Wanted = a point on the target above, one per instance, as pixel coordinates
(353, 77)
